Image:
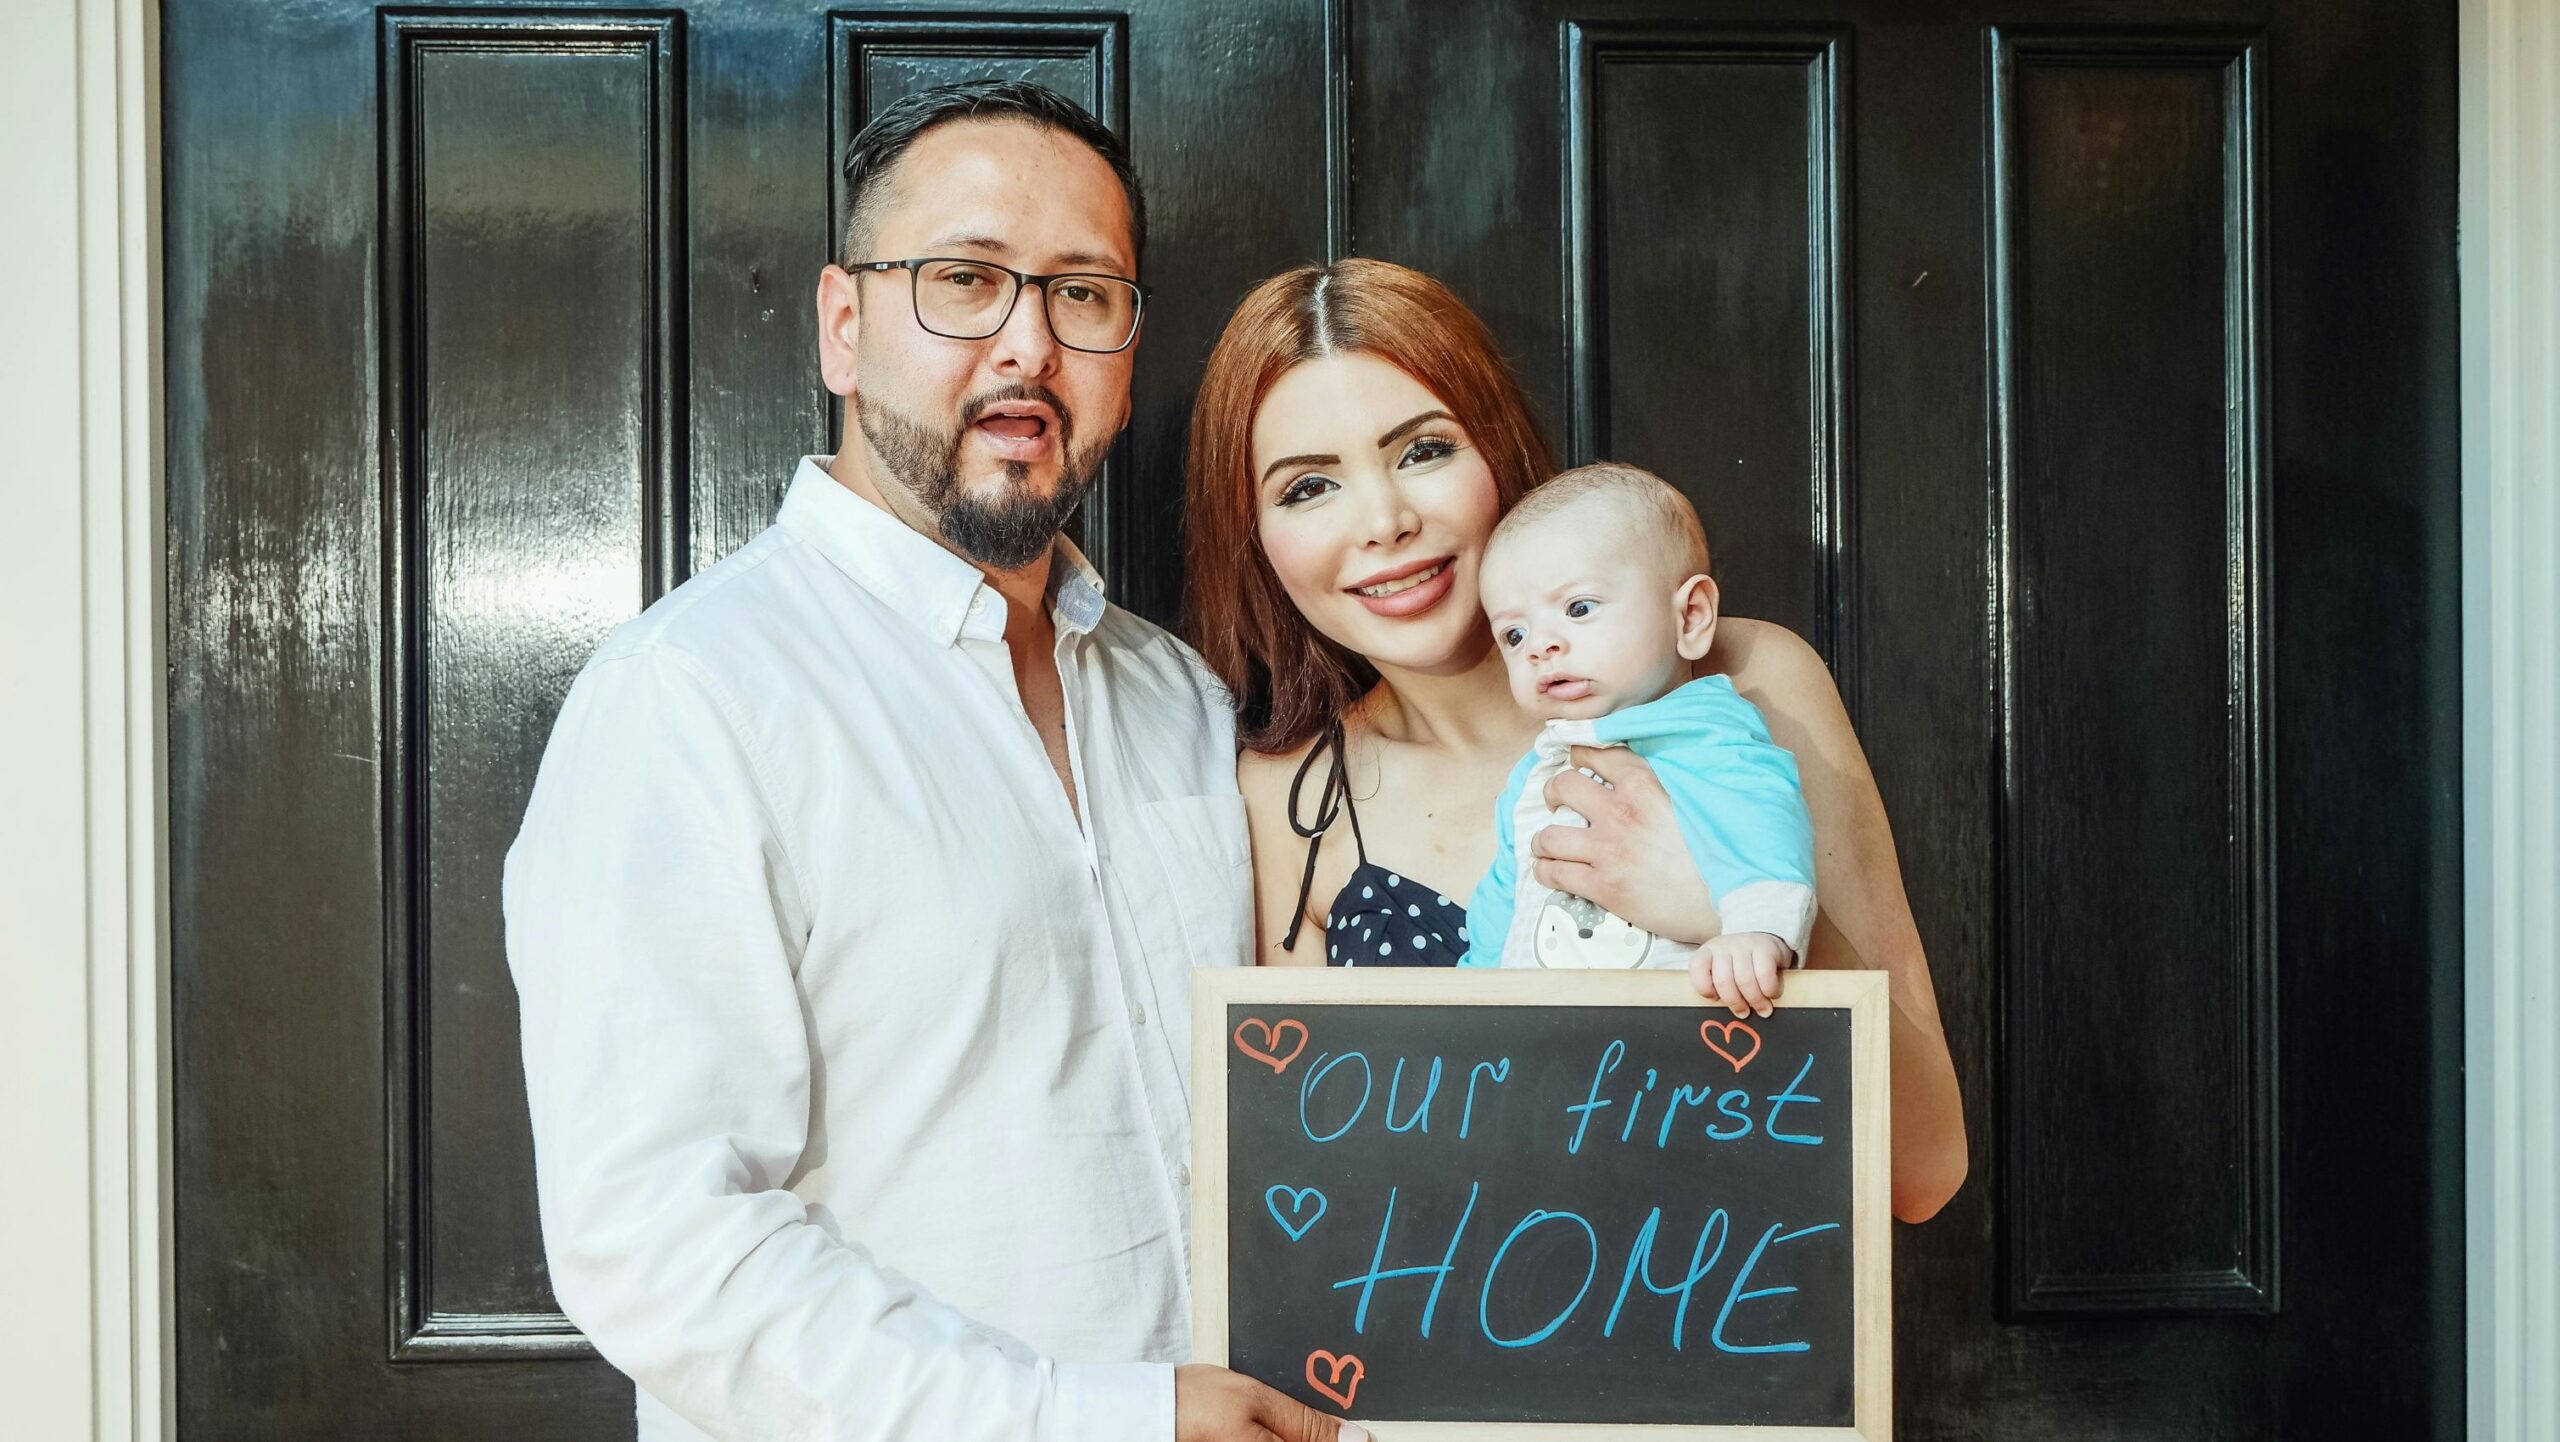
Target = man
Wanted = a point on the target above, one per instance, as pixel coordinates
(855, 906)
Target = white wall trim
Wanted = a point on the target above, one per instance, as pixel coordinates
(86, 1336)
(2510, 227)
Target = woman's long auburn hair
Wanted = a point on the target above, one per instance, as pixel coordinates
(1290, 680)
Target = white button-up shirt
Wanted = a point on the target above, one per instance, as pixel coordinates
(857, 1062)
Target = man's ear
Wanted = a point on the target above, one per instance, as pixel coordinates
(1696, 602)
(839, 304)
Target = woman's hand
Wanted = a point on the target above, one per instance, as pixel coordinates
(1632, 858)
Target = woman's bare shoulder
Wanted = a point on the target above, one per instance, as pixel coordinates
(1764, 652)
(1779, 671)
(1264, 776)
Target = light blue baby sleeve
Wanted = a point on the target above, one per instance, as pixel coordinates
(1738, 800)
(1489, 909)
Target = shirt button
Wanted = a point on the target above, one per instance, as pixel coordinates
(1138, 1014)
(1182, 1173)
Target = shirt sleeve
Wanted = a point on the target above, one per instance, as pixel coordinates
(1489, 908)
(1743, 815)
(654, 927)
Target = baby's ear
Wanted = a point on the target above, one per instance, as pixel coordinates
(1696, 603)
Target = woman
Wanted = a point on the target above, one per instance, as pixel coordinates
(1356, 437)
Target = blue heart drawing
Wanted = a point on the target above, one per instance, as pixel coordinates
(1297, 1204)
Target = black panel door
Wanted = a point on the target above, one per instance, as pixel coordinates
(2079, 377)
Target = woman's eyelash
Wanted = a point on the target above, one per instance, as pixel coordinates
(1436, 448)
(1301, 488)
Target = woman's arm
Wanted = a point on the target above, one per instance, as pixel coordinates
(1633, 862)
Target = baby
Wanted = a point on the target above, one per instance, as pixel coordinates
(1597, 588)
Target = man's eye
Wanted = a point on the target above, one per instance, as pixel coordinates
(1081, 294)
(1577, 609)
(1427, 448)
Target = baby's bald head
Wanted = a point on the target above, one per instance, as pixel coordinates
(1597, 592)
(1642, 511)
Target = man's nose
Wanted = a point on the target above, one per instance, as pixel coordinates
(1025, 346)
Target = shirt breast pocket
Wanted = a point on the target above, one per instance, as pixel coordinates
(1198, 868)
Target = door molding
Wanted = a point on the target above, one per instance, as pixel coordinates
(2510, 258)
(83, 839)
(83, 871)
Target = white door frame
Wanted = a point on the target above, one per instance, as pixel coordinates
(2510, 229)
(86, 1330)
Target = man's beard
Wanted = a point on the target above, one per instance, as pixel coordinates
(1009, 530)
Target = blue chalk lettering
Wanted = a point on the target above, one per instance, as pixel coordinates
(1736, 1294)
(1609, 1060)
(1500, 1072)
(1315, 1077)
(1421, 1113)
(1637, 1105)
(1484, 1305)
(1379, 1271)
(1791, 1095)
(1724, 1104)
(1639, 1264)
(1680, 1097)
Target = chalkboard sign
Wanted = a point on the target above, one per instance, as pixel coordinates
(1545, 1205)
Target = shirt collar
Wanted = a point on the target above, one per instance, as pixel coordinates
(943, 595)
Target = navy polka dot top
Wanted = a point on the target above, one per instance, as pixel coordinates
(1379, 917)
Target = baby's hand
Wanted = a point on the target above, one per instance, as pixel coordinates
(1740, 969)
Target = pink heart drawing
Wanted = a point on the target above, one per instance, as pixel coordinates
(1727, 1029)
(1269, 1053)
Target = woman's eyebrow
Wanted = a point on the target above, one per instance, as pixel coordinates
(1274, 468)
(1391, 437)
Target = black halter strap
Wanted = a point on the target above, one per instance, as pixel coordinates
(1332, 801)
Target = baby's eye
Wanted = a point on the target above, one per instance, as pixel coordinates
(1305, 488)
(1510, 637)
(1579, 607)
(1427, 448)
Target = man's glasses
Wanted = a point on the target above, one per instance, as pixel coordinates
(972, 299)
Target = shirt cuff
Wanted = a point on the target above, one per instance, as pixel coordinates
(1784, 909)
(1114, 1402)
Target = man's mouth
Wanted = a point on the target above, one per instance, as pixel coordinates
(1018, 430)
(1407, 582)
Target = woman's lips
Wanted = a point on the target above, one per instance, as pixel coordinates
(1415, 599)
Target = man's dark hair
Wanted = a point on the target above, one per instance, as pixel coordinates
(874, 153)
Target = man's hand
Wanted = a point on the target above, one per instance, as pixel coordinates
(1212, 1404)
(1632, 859)
(1741, 969)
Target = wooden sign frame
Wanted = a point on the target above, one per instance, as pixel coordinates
(1862, 994)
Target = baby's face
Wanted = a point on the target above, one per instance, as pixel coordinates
(1583, 620)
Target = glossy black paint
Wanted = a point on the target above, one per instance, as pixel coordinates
(2090, 370)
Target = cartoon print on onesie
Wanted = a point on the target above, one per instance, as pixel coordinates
(1581, 935)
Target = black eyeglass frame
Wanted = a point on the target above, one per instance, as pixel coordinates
(1022, 281)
